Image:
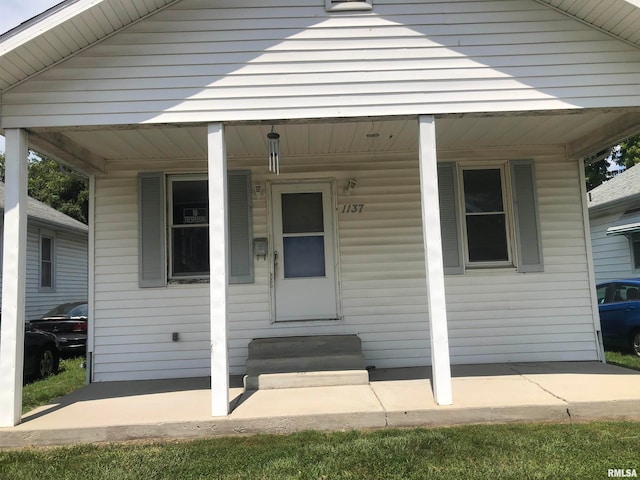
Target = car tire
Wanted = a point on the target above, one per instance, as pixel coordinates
(635, 343)
(47, 362)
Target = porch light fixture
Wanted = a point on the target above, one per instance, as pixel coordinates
(258, 191)
(273, 139)
(351, 186)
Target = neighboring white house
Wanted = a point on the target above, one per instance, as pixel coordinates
(429, 195)
(57, 258)
(614, 212)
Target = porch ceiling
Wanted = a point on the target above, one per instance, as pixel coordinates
(582, 132)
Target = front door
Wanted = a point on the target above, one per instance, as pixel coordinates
(304, 280)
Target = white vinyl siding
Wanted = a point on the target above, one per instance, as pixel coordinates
(612, 257)
(70, 269)
(248, 60)
(494, 316)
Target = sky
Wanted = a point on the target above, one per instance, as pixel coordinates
(14, 12)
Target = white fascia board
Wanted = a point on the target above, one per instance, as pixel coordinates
(43, 22)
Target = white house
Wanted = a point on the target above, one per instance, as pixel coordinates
(56, 258)
(428, 194)
(614, 212)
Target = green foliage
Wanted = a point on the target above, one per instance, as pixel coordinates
(63, 190)
(66, 191)
(628, 153)
(596, 173)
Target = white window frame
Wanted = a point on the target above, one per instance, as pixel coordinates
(635, 262)
(49, 235)
(506, 203)
(348, 5)
(170, 180)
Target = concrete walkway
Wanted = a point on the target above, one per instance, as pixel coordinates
(179, 408)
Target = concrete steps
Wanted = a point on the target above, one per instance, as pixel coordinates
(313, 361)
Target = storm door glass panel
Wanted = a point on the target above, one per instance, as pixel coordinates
(303, 235)
(485, 216)
(302, 212)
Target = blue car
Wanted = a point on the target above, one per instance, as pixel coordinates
(619, 305)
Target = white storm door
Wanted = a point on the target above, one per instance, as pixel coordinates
(303, 252)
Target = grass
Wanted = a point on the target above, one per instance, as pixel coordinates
(523, 451)
(623, 359)
(70, 377)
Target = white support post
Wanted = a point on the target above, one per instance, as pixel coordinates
(92, 279)
(13, 277)
(218, 238)
(440, 362)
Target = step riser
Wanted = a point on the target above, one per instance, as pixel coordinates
(294, 346)
(305, 364)
(306, 380)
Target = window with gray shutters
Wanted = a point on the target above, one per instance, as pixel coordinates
(489, 216)
(180, 251)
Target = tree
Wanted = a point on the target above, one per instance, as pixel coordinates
(625, 155)
(628, 153)
(62, 189)
(596, 173)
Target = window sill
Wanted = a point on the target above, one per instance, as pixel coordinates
(486, 270)
(188, 281)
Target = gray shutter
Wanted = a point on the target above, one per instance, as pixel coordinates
(151, 232)
(449, 220)
(240, 227)
(525, 208)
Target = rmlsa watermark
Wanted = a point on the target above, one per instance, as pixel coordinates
(622, 472)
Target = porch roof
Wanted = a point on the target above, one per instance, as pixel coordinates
(73, 25)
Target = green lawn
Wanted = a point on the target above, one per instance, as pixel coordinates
(623, 359)
(522, 451)
(70, 378)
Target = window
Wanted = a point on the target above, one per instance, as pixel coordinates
(347, 5)
(489, 216)
(486, 225)
(188, 227)
(618, 292)
(173, 238)
(46, 261)
(634, 239)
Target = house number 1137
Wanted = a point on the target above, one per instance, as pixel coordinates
(353, 208)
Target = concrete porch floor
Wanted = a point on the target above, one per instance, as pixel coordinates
(180, 408)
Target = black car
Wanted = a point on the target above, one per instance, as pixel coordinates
(41, 353)
(69, 323)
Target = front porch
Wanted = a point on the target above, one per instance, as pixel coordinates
(180, 408)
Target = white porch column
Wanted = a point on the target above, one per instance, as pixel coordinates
(218, 238)
(13, 277)
(440, 365)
